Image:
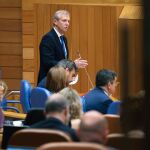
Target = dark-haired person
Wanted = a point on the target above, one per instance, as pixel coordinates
(99, 97)
(70, 68)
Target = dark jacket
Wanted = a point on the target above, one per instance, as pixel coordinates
(96, 99)
(53, 123)
(51, 51)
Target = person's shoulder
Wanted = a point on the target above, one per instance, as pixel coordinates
(38, 124)
(42, 83)
(96, 92)
(48, 37)
(49, 34)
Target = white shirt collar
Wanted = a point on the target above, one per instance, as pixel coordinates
(106, 93)
(57, 32)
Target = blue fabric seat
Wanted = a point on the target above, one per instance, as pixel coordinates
(82, 98)
(114, 108)
(25, 91)
(38, 97)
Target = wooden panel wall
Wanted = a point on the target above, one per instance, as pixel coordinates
(11, 42)
(93, 31)
(132, 17)
(29, 4)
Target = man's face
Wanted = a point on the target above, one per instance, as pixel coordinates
(112, 86)
(70, 75)
(62, 24)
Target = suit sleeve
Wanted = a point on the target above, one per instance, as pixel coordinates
(47, 52)
(106, 105)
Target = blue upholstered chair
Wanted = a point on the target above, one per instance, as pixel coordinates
(25, 91)
(39, 97)
(5, 102)
(114, 108)
(82, 98)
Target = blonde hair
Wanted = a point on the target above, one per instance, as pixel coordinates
(74, 99)
(4, 85)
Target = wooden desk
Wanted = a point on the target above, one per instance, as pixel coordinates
(14, 115)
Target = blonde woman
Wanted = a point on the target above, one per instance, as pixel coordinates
(3, 89)
(74, 99)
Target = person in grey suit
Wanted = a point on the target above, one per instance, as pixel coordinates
(53, 46)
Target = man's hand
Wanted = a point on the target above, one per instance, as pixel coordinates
(81, 63)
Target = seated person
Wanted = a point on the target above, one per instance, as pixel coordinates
(74, 99)
(99, 97)
(57, 116)
(56, 79)
(70, 68)
(3, 89)
(93, 128)
(131, 115)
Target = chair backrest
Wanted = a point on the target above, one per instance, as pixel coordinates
(37, 137)
(114, 108)
(122, 142)
(71, 146)
(25, 92)
(83, 103)
(113, 123)
(39, 97)
(8, 131)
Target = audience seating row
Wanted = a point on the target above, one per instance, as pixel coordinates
(119, 141)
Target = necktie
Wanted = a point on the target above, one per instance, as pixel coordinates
(63, 45)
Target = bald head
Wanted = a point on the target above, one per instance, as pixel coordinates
(93, 127)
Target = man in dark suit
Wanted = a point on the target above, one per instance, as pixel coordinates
(99, 97)
(53, 46)
(57, 116)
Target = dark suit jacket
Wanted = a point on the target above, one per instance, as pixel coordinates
(96, 99)
(51, 51)
(53, 123)
(42, 83)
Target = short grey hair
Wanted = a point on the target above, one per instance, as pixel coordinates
(60, 13)
(56, 103)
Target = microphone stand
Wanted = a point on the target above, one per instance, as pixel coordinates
(86, 72)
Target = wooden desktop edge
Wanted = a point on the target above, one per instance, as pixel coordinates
(14, 115)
